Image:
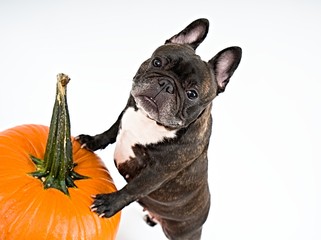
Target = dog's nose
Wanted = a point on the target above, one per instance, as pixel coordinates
(166, 85)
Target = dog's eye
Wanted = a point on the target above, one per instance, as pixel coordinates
(157, 62)
(191, 94)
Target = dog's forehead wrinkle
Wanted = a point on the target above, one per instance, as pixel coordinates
(175, 49)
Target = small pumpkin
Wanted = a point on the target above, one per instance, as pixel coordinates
(47, 180)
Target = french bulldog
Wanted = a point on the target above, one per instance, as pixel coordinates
(162, 135)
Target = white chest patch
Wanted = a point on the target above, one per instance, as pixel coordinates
(137, 128)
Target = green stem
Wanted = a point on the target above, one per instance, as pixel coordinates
(57, 168)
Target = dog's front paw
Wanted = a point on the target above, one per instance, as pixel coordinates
(88, 142)
(107, 205)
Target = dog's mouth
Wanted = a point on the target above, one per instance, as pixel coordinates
(148, 105)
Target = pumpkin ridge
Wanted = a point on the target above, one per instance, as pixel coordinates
(9, 195)
(28, 215)
(32, 144)
(24, 138)
(9, 208)
(80, 219)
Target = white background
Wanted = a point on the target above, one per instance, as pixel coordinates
(265, 158)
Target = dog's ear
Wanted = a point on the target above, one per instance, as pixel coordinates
(192, 35)
(224, 64)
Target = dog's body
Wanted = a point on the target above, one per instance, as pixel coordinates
(162, 135)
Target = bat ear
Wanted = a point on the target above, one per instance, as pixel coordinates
(224, 64)
(193, 34)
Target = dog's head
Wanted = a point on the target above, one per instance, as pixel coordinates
(175, 85)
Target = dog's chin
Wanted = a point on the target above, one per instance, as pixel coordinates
(149, 106)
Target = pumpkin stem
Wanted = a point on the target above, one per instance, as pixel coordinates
(57, 168)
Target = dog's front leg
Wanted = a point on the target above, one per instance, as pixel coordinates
(147, 181)
(102, 140)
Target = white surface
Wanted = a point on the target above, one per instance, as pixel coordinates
(265, 148)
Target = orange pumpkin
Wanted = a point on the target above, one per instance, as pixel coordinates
(47, 180)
